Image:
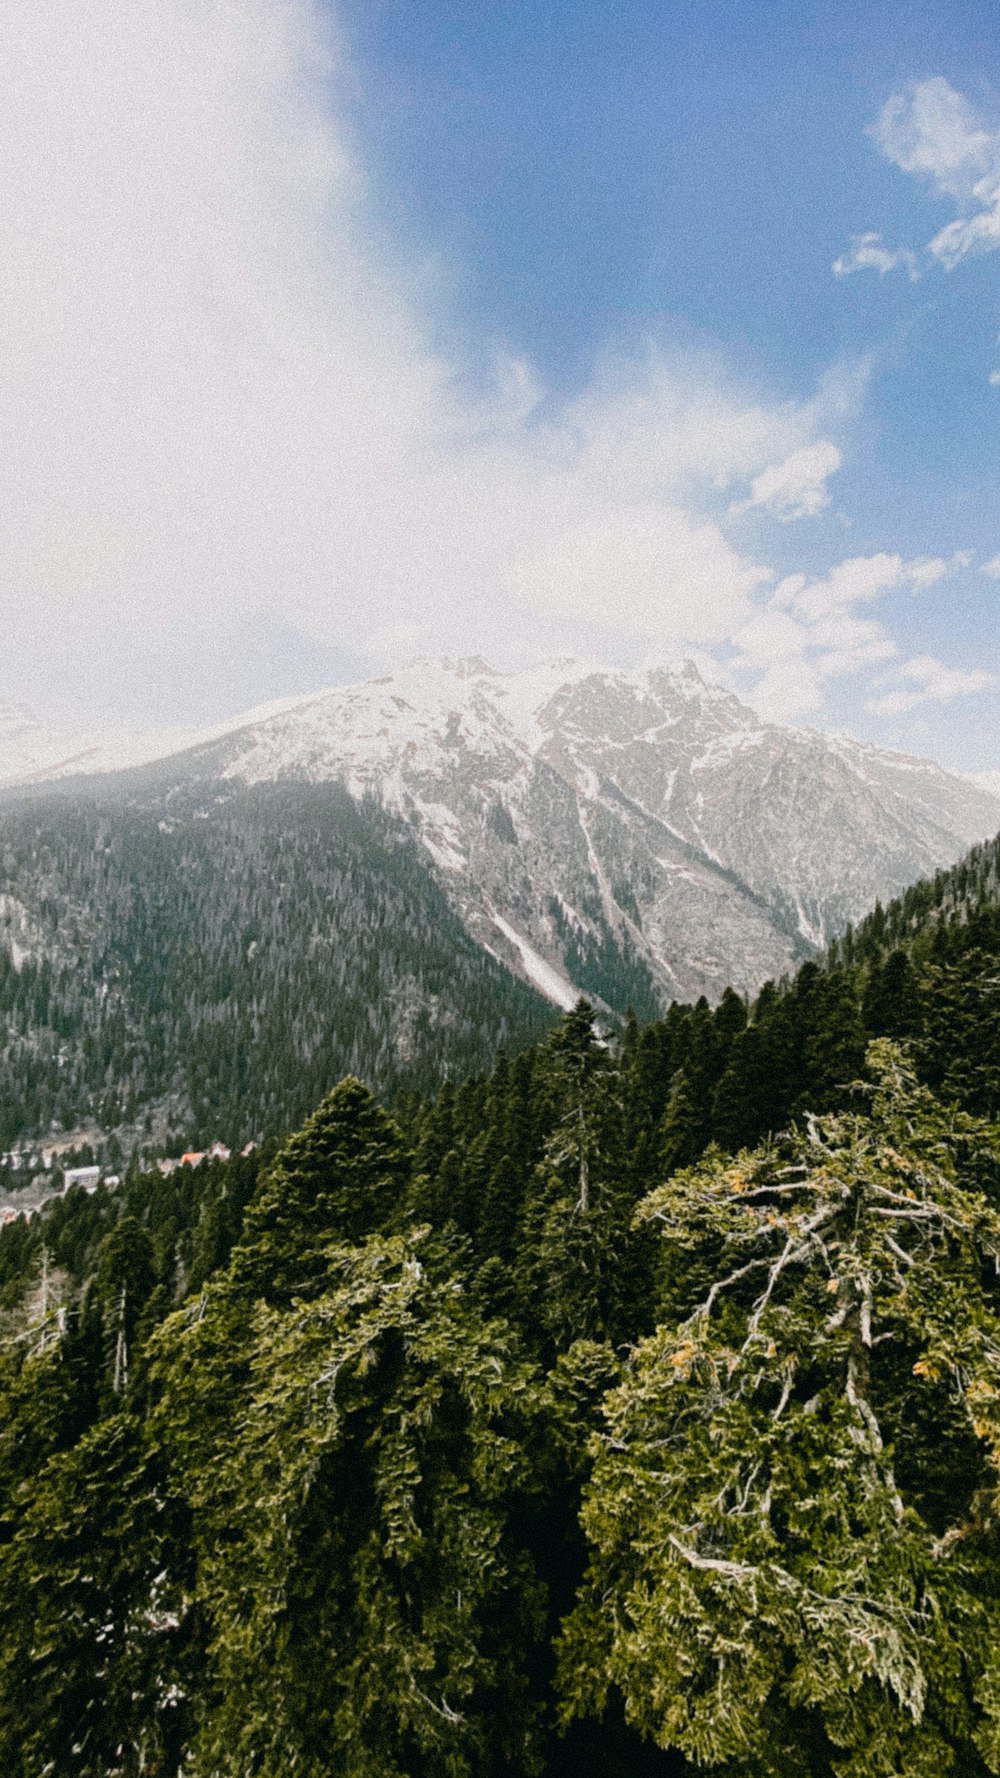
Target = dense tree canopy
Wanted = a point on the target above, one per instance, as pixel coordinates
(361, 1597)
(211, 973)
(628, 1411)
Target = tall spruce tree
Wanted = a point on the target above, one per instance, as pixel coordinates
(581, 1261)
(340, 1177)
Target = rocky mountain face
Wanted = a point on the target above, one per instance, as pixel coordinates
(639, 836)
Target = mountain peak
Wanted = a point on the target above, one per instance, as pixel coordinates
(637, 833)
(465, 666)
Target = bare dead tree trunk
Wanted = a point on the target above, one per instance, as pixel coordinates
(119, 1382)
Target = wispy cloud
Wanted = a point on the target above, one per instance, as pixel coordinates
(931, 131)
(929, 681)
(813, 630)
(867, 253)
(795, 488)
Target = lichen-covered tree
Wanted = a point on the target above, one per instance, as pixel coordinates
(792, 1513)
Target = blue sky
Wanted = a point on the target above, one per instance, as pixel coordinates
(352, 333)
(602, 172)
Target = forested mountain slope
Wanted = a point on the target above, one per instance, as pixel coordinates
(203, 960)
(924, 970)
(212, 965)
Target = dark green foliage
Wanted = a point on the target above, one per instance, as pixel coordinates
(891, 1001)
(341, 1177)
(794, 1561)
(366, 1606)
(223, 967)
(924, 970)
(293, 1449)
(88, 1656)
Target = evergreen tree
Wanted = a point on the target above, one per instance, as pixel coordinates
(89, 1643)
(682, 1134)
(342, 1176)
(583, 1266)
(891, 1006)
(368, 1609)
(833, 1043)
(500, 1212)
(125, 1280)
(773, 1582)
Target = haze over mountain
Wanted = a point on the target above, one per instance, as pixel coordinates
(33, 750)
(639, 835)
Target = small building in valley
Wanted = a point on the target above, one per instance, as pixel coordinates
(88, 1177)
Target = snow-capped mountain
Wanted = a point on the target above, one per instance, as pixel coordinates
(989, 780)
(638, 835)
(33, 751)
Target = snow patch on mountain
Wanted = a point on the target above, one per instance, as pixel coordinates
(547, 980)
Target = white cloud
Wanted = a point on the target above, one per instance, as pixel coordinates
(858, 581)
(795, 488)
(868, 254)
(930, 681)
(218, 396)
(810, 630)
(220, 406)
(992, 567)
(775, 647)
(653, 569)
(932, 131)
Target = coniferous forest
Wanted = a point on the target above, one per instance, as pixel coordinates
(205, 965)
(632, 1407)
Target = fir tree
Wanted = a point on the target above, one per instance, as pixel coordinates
(341, 1176)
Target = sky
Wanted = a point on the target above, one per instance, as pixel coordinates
(335, 335)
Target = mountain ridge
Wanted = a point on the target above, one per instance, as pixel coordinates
(647, 811)
(587, 823)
